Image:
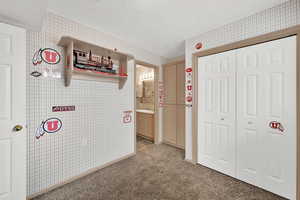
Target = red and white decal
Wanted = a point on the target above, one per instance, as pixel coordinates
(51, 125)
(189, 86)
(127, 117)
(48, 55)
(63, 108)
(161, 93)
(199, 45)
(276, 125)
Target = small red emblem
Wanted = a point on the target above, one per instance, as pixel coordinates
(199, 45)
(189, 70)
(127, 118)
(189, 99)
(276, 125)
(52, 125)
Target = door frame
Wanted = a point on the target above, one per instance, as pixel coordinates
(156, 103)
(292, 31)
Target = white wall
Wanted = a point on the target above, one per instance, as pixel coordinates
(92, 135)
(28, 14)
(277, 18)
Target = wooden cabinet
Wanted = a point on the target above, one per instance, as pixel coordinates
(180, 124)
(145, 125)
(174, 106)
(170, 83)
(169, 126)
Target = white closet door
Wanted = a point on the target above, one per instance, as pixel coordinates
(266, 88)
(216, 112)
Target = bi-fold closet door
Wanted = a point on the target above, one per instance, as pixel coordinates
(239, 93)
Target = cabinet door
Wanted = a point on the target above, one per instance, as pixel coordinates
(266, 156)
(180, 83)
(170, 122)
(180, 125)
(170, 84)
(138, 123)
(149, 126)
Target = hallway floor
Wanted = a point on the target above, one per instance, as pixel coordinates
(157, 172)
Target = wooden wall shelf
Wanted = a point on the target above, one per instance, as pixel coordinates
(71, 72)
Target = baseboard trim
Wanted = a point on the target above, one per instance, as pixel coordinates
(174, 145)
(190, 161)
(145, 137)
(90, 171)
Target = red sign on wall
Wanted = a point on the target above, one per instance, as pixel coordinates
(63, 108)
(127, 117)
(51, 125)
(161, 93)
(189, 86)
(48, 55)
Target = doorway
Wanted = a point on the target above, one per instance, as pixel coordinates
(146, 101)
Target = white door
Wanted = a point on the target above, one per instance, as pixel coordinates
(266, 88)
(12, 113)
(216, 112)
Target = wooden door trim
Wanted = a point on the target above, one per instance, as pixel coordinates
(156, 103)
(292, 31)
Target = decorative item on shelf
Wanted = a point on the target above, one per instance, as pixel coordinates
(89, 61)
(81, 64)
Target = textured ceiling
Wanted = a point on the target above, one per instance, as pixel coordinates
(159, 26)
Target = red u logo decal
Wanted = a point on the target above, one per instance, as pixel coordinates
(50, 56)
(52, 125)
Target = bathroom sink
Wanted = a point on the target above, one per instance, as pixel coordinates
(145, 111)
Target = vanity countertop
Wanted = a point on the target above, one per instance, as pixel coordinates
(145, 111)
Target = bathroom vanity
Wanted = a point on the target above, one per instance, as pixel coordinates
(145, 124)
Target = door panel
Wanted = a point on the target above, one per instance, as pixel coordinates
(216, 112)
(149, 126)
(266, 88)
(5, 167)
(170, 84)
(174, 106)
(12, 112)
(180, 121)
(5, 88)
(170, 122)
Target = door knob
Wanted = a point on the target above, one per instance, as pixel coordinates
(17, 128)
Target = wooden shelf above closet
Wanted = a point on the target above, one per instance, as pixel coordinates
(70, 44)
